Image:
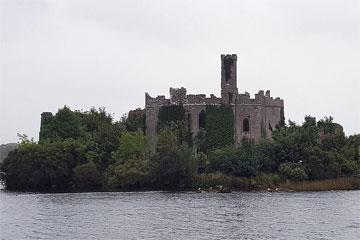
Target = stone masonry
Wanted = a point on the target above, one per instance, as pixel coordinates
(254, 117)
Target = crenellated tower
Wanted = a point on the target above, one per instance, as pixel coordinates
(229, 89)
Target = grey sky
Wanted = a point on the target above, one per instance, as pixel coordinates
(109, 53)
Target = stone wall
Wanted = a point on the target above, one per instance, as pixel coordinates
(263, 112)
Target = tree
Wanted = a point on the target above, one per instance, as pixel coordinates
(86, 176)
(173, 164)
(132, 146)
(293, 171)
(46, 165)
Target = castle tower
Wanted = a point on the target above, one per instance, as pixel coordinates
(44, 117)
(229, 89)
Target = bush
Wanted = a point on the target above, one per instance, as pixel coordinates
(86, 176)
(293, 171)
(132, 174)
(46, 165)
(240, 162)
(132, 146)
(321, 164)
(265, 181)
(173, 164)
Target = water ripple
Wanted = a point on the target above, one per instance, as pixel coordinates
(168, 215)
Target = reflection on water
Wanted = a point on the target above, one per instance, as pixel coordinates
(163, 215)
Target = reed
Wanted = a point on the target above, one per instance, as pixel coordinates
(345, 183)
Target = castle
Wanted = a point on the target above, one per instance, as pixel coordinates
(254, 117)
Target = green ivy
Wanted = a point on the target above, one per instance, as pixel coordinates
(173, 117)
(219, 126)
(172, 113)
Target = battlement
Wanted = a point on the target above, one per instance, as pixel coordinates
(260, 99)
(178, 96)
(233, 56)
(252, 116)
(158, 101)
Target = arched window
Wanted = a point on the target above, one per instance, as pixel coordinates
(202, 119)
(246, 125)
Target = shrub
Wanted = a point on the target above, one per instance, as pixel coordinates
(132, 174)
(293, 171)
(265, 180)
(173, 164)
(86, 176)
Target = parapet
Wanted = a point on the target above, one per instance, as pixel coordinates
(158, 101)
(196, 99)
(233, 56)
(45, 116)
(260, 99)
(178, 96)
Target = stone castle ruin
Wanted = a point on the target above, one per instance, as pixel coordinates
(254, 117)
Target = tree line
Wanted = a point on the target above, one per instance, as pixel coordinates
(89, 150)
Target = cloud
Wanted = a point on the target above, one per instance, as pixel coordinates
(108, 53)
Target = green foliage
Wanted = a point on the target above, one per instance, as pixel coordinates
(200, 141)
(86, 176)
(331, 135)
(242, 162)
(219, 126)
(130, 174)
(173, 117)
(130, 169)
(172, 113)
(87, 150)
(93, 119)
(321, 164)
(94, 129)
(65, 124)
(45, 165)
(132, 146)
(173, 164)
(202, 162)
(291, 141)
(293, 171)
(5, 149)
(135, 121)
(265, 181)
(265, 151)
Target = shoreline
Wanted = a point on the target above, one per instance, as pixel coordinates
(339, 184)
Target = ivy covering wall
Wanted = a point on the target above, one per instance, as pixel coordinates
(174, 118)
(172, 113)
(219, 126)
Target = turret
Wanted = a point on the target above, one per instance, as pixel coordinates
(44, 117)
(229, 89)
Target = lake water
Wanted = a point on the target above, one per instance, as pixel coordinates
(181, 215)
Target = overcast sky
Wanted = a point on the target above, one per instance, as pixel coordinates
(109, 53)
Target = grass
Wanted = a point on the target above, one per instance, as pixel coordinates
(348, 183)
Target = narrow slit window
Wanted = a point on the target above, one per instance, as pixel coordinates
(202, 119)
(246, 126)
